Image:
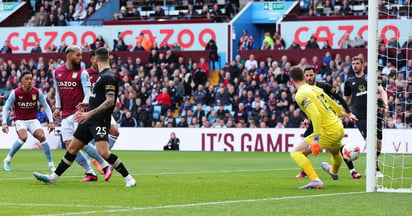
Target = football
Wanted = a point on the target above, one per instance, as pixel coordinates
(350, 151)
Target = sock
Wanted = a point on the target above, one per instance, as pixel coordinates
(304, 163)
(65, 163)
(112, 141)
(16, 146)
(336, 162)
(90, 143)
(92, 151)
(83, 162)
(117, 164)
(46, 149)
(377, 164)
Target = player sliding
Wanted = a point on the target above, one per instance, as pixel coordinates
(327, 129)
(310, 76)
(24, 99)
(94, 123)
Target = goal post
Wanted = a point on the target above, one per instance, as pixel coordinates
(390, 61)
(372, 97)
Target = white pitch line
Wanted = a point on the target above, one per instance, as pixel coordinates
(173, 173)
(59, 205)
(202, 204)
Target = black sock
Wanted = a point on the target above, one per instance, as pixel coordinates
(65, 163)
(117, 164)
(377, 164)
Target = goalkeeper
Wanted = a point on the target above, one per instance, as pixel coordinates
(327, 129)
(310, 76)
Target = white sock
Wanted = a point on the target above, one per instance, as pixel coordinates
(54, 176)
(8, 158)
(128, 178)
(91, 171)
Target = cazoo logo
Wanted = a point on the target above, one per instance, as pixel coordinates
(67, 84)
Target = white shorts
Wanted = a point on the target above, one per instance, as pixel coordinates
(29, 125)
(68, 127)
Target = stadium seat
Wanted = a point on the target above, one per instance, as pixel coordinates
(156, 112)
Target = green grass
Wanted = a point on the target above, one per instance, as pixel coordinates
(192, 183)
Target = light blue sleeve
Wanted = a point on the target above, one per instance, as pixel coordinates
(42, 99)
(57, 96)
(7, 106)
(84, 78)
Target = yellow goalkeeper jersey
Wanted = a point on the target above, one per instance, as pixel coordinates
(319, 108)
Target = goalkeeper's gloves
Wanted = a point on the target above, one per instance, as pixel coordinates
(315, 146)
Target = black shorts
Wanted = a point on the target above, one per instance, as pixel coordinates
(361, 125)
(88, 131)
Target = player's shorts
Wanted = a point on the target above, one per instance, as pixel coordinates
(68, 127)
(331, 139)
(29, 125)
(362, 126)
(89, 131)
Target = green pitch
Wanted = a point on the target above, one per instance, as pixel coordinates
(192, 183)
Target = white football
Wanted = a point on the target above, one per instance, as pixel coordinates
(350, 151)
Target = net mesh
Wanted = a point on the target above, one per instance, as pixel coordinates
(395, 75)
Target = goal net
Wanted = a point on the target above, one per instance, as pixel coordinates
(394, 63)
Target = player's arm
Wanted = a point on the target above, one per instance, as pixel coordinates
(5, 112)
(384, 95)
(57, 96)
(86, 85)
(313, 113)
(347, 93)
(110, 93)
(42, 100)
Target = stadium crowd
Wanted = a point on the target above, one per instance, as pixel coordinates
(167, 91)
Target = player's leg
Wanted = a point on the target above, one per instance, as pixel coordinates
(65, 163)
(378, 143)
(92, 152)
(113, 133)
(361, 125)
(307, 132)
(333, 141)
(21, 129)
(36, 129)
(102, 146)
(304, 163)
(68, 128)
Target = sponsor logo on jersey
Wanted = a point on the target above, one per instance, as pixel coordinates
(34, 97)
(59, 75)
(26, 104)
(110, 87)
(20, 97)
(67, 84)
(74, 76)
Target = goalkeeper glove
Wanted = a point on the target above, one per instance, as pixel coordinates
(315, 146)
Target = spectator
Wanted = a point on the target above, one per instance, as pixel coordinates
(133, 14)
(223, 96)
(147, 115)
(213, 55)
(243, 41)
(41, 20)
(268, 38)
(128, 120)
(99, 4)
(6, 48)
(191, 12)
(144, 41)
(326, 45)
(294, 46)
(408, 43)
(346, 43)
(251, 44)
(90, 11)
(32, 22)
(61, 21)
(159, 12)
(182, 123)
(36, 48)
(51, 20)
(251, 61)
(328, 8)
(312, 43)
(80, 14)
(345, 9)
(265, 46)
(393, 42)
(359, 42)
(199, 95)
(278, 45)
(163, 99)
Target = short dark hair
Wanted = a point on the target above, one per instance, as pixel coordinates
(296, 73)
(102, 54)
(24, 73)
(309, 68)
(92, 54)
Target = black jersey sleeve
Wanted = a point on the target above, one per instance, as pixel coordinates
(331, 92)
(347, 90)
